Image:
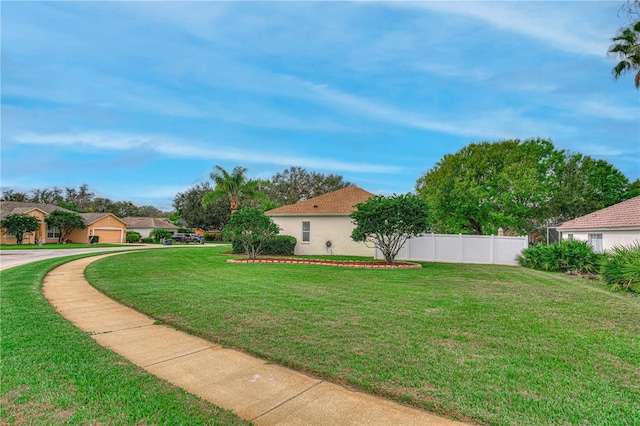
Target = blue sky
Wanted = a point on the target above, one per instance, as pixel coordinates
(140, 100)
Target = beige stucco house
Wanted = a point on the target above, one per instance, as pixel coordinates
(106, 226)
(144, 225)
(604, 229)
(321, 225)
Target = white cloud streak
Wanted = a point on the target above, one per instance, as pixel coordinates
(176, 148)
(562, 27)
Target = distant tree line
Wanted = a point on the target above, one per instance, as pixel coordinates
(209, 207)
(82, 200)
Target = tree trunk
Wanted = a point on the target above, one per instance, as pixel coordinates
(233, 203)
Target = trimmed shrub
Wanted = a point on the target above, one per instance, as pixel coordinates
(282, 245)
(147, 240)
(563, 256)
(133, 237)
(621, 267)
(237, 247)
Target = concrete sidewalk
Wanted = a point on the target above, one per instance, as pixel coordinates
(264, 393)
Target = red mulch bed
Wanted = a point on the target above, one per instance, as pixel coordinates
(327, 262)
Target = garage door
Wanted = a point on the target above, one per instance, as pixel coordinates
(108, 235)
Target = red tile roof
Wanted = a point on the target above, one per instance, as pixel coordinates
(342, 201)
(622, 215)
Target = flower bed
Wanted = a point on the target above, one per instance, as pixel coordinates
(328, 262)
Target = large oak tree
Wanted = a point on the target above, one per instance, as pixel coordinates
(520, 186)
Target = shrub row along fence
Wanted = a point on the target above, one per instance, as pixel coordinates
(487, 249)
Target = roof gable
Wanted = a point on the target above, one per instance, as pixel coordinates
(341, 201)
(11, 207)
(149, 222)
(622, 215)
(90, 218)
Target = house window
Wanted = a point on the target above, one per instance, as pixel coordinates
(570, 237)
(306, 232)
(596, 242)
(53, 232)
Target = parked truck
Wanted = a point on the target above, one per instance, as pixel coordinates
(188, 238)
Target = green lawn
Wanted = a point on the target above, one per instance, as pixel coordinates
(53, 373)
(490, 344)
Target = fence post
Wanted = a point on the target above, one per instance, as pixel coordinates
(492, 246)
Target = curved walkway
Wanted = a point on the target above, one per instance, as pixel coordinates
(264, 393)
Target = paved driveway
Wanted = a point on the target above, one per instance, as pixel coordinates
(9, 258)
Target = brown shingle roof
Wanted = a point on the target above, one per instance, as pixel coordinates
(149, 222)
(11, 207)
(342, 201)
(89, 218)
(622, 215)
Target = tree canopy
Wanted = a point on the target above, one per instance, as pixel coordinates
(520, 186)
(196, 214)
(82, 200)
(234, 186)
(66, 222)
(19, 224)
(626, 48)
(251, 227)
(388, 222)
(297, 184)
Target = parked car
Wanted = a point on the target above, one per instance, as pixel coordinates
(188, 238)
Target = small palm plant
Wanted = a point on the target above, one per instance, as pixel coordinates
(621, 267)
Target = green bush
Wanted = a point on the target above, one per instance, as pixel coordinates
(133, 237)
(237, 247)
(94, 239)
(280, 245)
(563, 256)
(621, 267)
(283, 245)
(147, 240)
(159, 234)
(213, 237)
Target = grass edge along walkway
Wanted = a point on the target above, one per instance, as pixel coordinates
(53, 373)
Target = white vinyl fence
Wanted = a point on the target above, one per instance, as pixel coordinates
(462, 249)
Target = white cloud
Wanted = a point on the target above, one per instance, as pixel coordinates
(567, 26)
(177, 148)
(606, 151)
(452, 71)
(485, 124)
(602, 108)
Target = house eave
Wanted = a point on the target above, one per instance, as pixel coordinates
(600, 229)
(307, 214)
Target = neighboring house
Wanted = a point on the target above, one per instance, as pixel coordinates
(604, 229)
(322, 224)
(106, 226)
(144, 225)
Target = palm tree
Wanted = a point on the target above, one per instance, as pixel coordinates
(626, 47)
(231, 185)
